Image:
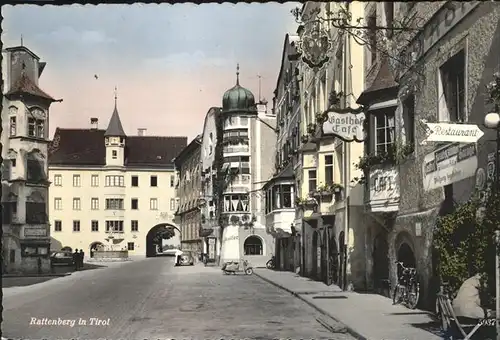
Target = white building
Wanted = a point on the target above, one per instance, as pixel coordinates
(25, 125)
(110, 189)
(238, 133)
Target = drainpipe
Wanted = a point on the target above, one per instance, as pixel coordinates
(347, 164)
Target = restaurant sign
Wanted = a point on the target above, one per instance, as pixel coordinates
(449, 164)
(35, 232)
(346, 124)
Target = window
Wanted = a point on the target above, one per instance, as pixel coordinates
(114, 204)
(58, 203)
(236, 203)
(253, 246)
(13, 126)
(12, 162)
(280, 197)
(77, 203)
(58, 180)
(12, 256)
(372, 36)
(114, 154)
(114, 181)
(172, 181)
(130, 245)
(57, 225)
(134, 225)
(76, 180)
(135, 181)
(94, 180)
(312, 180)
(384, 130)
(94, 225)
(409, 119)
(36, 128)
(154, 181)
(36, 212)
(172, 204)
(76, 225)
(328, 169)
(451, 89)
(134, 203)
(114, 226)
(94, 203)
(153, 204)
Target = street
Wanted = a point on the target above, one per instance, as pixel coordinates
(152, 299)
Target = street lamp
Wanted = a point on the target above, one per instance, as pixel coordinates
(492, 121)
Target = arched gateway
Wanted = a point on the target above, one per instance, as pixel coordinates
(158, 233)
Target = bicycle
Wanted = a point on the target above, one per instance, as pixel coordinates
(407, 289)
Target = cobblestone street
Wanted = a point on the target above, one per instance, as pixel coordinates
(152, 299)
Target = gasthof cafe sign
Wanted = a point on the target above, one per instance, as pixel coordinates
(347, 124)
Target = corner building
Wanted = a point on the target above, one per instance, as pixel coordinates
(111, 190)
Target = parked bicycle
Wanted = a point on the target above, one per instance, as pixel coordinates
(407, 289)
(271, 264)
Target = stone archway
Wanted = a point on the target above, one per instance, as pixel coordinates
(406, 255)
(154, 237)
(253, 245)
(95, 246)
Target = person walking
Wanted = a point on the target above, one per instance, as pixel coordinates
(76, 259)
(82, 257)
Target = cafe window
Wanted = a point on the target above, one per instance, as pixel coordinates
(313, 182)
(385, 129)
(329, 169)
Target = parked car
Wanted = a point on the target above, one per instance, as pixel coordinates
(185, 259)
(62, 258)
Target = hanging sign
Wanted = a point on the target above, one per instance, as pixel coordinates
(346, 124)
(445, 132)
(449, 164)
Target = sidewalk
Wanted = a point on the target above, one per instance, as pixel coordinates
(366, 316)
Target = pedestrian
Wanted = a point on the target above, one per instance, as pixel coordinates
(82, 257)
(76, 259)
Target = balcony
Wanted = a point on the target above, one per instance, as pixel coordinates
(383, 189)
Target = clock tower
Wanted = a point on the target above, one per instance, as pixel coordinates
(115, 140)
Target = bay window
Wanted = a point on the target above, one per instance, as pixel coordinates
(385, 130)
(279, 197)
(114, 203)
(236, 203)
(114, 226)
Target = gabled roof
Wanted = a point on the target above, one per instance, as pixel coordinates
(85, 147)
(115, 127)
(283, 175)
(193, 145)
(24, 85)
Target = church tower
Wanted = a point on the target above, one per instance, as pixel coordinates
(115, 140)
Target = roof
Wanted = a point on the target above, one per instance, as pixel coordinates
(115, 127)
(22, 48)
(193, 145)
(24, 85)
(285, 174)
(287, 51)
(384, 80)
(86, 147)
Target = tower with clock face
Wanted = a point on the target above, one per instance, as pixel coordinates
(115, 140)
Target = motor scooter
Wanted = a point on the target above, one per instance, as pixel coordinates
(237, 267)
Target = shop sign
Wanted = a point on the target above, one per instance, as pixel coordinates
(446, 132)
(347, 124)
(449, 164)
(384, 190)
(35, 232)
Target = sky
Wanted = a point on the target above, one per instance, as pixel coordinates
(169, 63)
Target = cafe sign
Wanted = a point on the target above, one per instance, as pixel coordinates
(449, 164)
(346, 124)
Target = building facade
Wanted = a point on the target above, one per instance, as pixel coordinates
(437, 73)
(330, 212)
(112, 191)
(25, 181)
(280, 190)
(188, 166)
(234, 168)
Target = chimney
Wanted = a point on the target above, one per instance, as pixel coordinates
(94, 123)
(141, 132)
